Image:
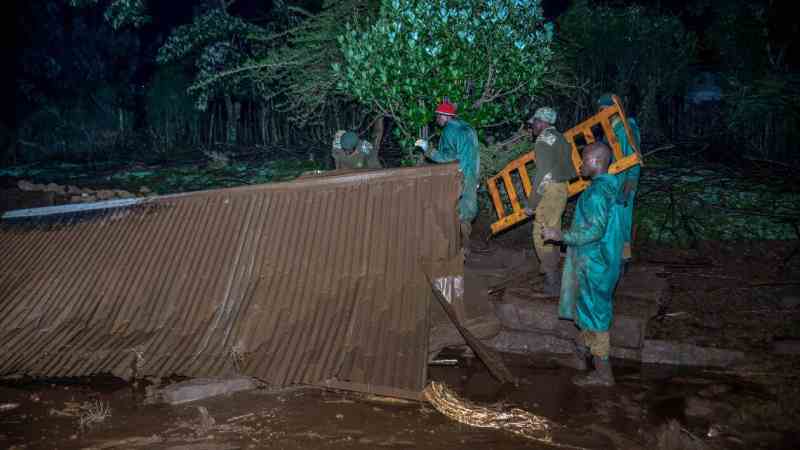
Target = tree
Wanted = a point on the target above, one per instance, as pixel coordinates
(296, 70)
(215, 40)
(484, 56)
(642, 55)
(120, 13)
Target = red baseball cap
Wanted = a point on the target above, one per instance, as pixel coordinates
(446, 108)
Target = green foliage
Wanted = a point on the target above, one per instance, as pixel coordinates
(296, 71)
(214, 26)
(644, 57)
(483, 56)
(682, 205)
(120, 13)
(214, 41)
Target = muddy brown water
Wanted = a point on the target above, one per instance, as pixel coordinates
(626, 416)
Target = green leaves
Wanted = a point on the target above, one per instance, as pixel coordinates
(480, 55)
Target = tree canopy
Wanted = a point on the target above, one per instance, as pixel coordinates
(483, 56)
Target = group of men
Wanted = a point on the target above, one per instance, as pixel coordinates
(598, 241)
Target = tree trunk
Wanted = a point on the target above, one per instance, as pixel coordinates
(377, 134)
(233, 111)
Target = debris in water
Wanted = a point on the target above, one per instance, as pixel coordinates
(97, 412)
(515, 420)
(8, 406)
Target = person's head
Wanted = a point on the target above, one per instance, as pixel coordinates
(596, 159)
(605, 101)
(544, 117)
(444, 112)
(349, 141)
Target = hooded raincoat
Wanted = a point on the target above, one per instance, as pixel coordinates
(630, 176)
(459, 142)
(594, 255)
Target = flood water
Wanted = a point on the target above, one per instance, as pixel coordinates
(626, 416)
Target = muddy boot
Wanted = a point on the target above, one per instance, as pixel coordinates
(601, 376)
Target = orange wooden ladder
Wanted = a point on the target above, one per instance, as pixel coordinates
(506, 219)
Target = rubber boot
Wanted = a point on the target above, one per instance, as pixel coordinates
(577, 359)
(601, 376)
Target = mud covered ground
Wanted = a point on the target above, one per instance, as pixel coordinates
(741, 296)
(629, 416)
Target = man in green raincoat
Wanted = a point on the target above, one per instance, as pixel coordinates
(459, 142)
(629, 179)
(350, 152)
(592, 266)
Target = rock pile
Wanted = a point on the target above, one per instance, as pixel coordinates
(74, 194)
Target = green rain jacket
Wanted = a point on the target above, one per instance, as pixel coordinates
(630, 176)
(594, 255)
(459, 142)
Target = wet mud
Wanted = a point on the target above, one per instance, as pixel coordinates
(727, 297)
(629, 415)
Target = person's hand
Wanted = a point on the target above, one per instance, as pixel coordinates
(551, 234)
(422, 143)
(528, 212)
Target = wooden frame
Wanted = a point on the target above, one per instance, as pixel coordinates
(506, 219)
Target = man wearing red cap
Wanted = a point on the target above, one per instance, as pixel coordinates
(459, 142)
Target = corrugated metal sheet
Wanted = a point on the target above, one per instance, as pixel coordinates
(314, 281)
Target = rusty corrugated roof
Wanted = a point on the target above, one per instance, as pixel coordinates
(313, 281)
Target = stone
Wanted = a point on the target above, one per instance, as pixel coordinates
(200, 388)
(25, 185)
(522, 342)
(666, 352)
(52, 187)
(123, 194)
(541, 316)
(105, 194)
(73, 190)
(786, 347)
(145, 190)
